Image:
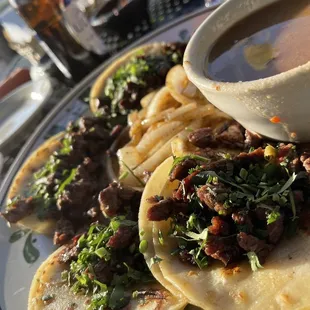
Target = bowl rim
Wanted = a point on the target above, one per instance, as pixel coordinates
(197, 75)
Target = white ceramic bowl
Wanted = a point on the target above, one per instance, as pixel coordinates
(254, 103)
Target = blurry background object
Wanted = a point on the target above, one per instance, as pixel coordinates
(15, 79)
(20, 109)
(23, 41)
(53, 23)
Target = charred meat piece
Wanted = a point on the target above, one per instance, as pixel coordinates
(180, 171)
(186, 257)
(165, 208)
(219, 226)
(260, 214)
(250, 243)
(275, 230)
(115, 197)
(252, 139)
(19, 210)
(69, 253)
(224, 249)
(123, 237)
(109, 200)
(202, 137)
(305, 160)
(233, 136)
(103, 272)
(251, 157)
(64, 231)
(185, 187)
(213, 197)
(243, 219)
(88, 169)
(76, 199)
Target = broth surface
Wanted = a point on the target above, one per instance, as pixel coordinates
(268, 42)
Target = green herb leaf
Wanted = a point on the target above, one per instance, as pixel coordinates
(143, 246)
(254, 261)
(243, 174)
(133, 174)
(155, 260)
(272, 217)
(192, 170)
(117, 297)
(161, 237)
(293, 206)
(199, 237)
(124, 175)
(179, 160)
(103, 253)
(66, 182)
(288, 183)
(31, 254)
(15, 236)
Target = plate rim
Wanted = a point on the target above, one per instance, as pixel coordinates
(34, 86)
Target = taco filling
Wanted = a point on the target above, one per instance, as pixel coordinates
(231, 210)
(104, 267)
(132, 81)
(66, 187)
(105, 262)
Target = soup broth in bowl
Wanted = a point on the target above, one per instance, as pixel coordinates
(251, 59)
(270, 41)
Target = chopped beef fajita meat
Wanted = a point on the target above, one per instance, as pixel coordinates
(64, 231)
(164, 209)
(224, 249)
(122, 238)
(252, 139)
(180, 171)
(115, 197)
(219, 226)
(19, 210)
(275, 230)
(250, 243)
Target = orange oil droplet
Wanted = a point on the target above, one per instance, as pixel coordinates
(275, 119)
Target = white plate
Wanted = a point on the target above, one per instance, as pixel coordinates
(19, 108)
(21, 258)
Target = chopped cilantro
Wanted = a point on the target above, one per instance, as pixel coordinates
(179, 160)
(254, 261)
(161, 238)
(155, 260)
(273, 216)
(95, 251)
(143, 246)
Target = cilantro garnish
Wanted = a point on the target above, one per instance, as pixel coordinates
(179, 160)
(231, 207)
(94, 249)
(254, 261)
(155, 260)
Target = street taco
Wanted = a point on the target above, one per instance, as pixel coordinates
(21, 187)
(59, 183)
(102, 269)
(234, 233)
(119, 89)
